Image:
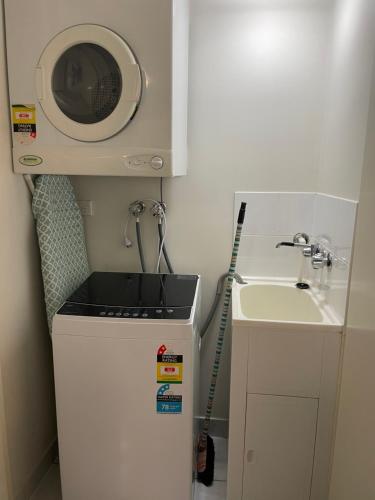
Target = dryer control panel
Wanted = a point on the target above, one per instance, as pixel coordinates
(137, 162)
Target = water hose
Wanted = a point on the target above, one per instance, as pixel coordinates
(206, 450)
(215, 303)
(165, 253)
(140, 246)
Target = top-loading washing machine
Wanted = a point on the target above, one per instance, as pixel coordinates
(98, 88)
(125, 350)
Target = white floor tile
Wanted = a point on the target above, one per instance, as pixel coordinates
(217, 491)
(221, 459)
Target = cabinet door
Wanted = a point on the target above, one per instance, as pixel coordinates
(279, 447)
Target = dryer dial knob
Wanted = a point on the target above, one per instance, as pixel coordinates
(157, 162)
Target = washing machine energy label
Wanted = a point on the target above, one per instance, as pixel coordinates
(169, 366)
(24, 123)
(167, 401)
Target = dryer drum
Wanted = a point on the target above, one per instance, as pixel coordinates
(87, 83)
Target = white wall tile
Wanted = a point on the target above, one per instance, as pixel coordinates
(258, 256)
(334, 226)
(276, 213)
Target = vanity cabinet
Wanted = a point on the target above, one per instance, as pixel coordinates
(279, 447)
(282, 409)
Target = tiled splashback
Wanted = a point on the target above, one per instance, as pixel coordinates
(274, 217)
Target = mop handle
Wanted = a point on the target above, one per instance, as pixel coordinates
(223, 324)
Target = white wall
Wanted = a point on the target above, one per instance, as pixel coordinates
(25, 354)
(5, 482)
(354, 459)
(344, 133)
(257, 85)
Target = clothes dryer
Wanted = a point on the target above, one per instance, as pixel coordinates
(98, 88)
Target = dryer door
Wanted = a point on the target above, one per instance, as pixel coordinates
(88, 82)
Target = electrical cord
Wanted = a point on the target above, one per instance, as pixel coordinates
(160, 228)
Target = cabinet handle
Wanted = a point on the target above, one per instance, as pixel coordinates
(251, 456)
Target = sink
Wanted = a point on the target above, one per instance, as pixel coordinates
(272, 301)
(278, 303)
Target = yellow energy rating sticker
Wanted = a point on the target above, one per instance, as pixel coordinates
(170, 367)
(24, 123)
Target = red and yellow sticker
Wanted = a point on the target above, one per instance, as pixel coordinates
(24, 123)
(169, 367)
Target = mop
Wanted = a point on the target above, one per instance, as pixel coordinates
(206, 450)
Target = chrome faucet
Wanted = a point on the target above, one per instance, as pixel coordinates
(299, 240)
(319, 256)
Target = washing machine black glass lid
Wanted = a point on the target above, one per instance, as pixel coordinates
(87, 83)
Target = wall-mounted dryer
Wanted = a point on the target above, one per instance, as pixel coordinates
(98, 88)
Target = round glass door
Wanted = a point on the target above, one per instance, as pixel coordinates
(88, 82)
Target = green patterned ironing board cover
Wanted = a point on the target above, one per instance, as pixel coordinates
(62, 241)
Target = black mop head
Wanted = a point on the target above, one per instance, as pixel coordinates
(206, 476)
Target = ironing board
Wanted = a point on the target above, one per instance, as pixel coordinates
(61, 238)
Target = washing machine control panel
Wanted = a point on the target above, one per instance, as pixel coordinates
(72, 309)
(140, 296)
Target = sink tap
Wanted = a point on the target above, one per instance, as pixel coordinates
(300, 240)
(319, 256)
(322, 259)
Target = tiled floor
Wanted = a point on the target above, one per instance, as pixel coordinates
(50, 488)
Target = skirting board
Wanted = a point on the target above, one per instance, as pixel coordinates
(218, 426)
(39, 472)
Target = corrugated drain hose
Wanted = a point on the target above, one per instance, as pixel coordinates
(215, 303)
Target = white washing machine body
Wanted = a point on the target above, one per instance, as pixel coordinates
(125, 388)
(98, 88)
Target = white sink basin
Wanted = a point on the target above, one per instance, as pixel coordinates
(269, 301)
(279, 303)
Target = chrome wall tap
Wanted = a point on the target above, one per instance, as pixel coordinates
(320, 257)
(300, 240)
